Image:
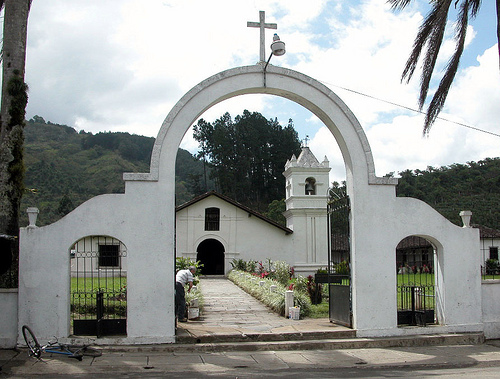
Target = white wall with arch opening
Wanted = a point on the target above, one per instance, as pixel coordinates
(143, 218)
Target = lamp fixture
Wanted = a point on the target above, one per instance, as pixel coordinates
(278, 49)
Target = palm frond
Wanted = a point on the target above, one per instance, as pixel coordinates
(399, 4)
(429, 38)
(498, 28)
(439, 97)
(437, 21)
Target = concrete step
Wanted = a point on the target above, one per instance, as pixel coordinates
(321, 344)
(266, 337)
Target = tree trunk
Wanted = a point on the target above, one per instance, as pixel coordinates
(13, 109)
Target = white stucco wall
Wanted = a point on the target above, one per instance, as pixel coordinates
(8, 317)
(144, 218)
(44, 286)
(491, 308)
(458, 284)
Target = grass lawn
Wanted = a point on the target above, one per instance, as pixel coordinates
(320, 310)
(107, 284)
(417, 279)
(83, 296)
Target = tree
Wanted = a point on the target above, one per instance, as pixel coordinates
(13, 109)
(429, 38)
(247, 156)
(275, 211)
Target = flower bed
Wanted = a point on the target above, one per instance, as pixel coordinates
(275, 300)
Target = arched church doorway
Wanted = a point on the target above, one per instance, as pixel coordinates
(211, 255)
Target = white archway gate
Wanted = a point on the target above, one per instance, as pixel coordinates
(144, 217)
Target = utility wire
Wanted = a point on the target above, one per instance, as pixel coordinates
(413, 110)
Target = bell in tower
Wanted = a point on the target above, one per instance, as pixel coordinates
(310, 186)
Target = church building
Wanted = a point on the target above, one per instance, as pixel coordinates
(215, 229)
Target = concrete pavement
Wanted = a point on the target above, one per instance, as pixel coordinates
(238, 337)
(400, 361)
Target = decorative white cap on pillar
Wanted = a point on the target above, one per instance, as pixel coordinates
(466, 216)
(32, 216)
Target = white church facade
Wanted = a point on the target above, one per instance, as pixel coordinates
(214, 229)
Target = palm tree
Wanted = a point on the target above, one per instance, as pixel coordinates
(430, 38)
(12, 114)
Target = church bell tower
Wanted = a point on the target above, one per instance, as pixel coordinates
(307, 183)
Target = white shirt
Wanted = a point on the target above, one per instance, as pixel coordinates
(184, 277)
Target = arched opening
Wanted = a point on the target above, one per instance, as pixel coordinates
(210, 253)
(98, 286)
(288, 84)
(310, 186)
(416, 281)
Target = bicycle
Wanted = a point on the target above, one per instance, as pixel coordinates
(54, 347)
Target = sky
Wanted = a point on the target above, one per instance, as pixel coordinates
(121, 65)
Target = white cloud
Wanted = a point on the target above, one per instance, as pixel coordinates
(120, 65)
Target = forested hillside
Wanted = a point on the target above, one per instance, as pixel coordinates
(473, 186)
(64, 168)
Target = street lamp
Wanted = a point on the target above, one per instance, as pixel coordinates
(278, 49)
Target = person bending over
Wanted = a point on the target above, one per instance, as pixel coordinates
(182, 278)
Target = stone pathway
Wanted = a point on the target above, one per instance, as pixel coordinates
(228, 310)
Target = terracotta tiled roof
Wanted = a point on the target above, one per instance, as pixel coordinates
(485, 232)
(236, 204)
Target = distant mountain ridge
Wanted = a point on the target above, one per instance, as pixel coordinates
(64, 168)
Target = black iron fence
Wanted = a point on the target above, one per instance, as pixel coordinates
(98, 287)
(415, 282)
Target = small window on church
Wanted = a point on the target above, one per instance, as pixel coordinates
(109, 255)
(494, 253)
(212, 218)
(310, 186)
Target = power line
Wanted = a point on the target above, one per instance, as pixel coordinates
(413, 109)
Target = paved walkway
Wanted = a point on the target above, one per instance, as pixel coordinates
(230, 311)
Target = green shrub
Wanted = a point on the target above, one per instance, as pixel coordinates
(300, 284)
(239, 264)
(342, 268)
(251, 266)
(492, 267)
(182, 263)
(274, 300)
(282, 272)
(195, 293)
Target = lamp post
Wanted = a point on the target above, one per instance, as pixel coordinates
(278, 49)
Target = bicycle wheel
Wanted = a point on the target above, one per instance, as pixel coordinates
(34, 347)
(85, 351)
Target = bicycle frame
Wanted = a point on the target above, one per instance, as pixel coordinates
(54, 347)
(61, 349)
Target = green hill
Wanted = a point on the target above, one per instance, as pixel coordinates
(473, 186)
(64, 168)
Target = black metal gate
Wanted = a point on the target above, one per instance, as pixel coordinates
(415, 282)
(98, 287)
(339, 278)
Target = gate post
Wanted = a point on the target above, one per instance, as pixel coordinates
(289, 302)
(99, 312)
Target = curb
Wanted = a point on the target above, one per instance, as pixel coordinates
(325, 344)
